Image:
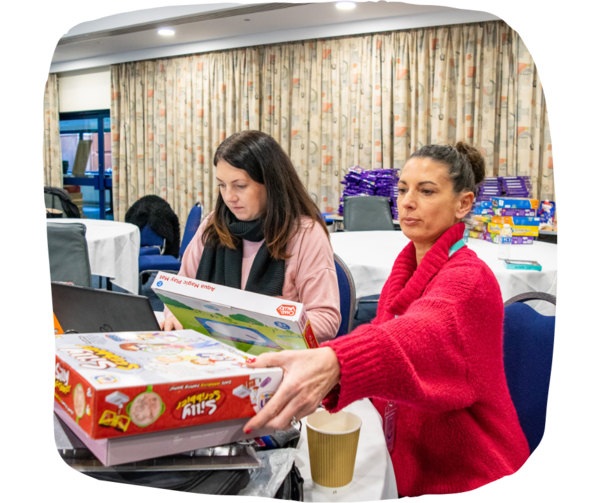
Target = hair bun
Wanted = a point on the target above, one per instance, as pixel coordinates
(475, 159)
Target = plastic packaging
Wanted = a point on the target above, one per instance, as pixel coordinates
(504, 242)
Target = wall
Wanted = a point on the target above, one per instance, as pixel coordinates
(84, 90)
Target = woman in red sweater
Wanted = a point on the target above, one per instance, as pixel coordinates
(432, 358)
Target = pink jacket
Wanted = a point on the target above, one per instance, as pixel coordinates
(310, 276)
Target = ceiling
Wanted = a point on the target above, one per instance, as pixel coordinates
(133, 36)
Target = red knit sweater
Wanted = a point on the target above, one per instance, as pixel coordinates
(435, 349)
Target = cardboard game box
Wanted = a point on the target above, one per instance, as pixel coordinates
(516, 203)
(127, 383)
(247, 321)
(517, 230)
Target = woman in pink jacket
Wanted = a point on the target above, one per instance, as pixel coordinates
(431, 360)
(266, 234)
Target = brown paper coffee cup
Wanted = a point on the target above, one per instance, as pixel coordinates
(332, 445)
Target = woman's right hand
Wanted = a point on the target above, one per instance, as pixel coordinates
(171, 323)
(309, 375)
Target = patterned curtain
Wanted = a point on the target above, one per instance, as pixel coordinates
(368, 100)
(53, 175)
(167, 118)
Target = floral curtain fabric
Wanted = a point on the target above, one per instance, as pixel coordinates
(368, 100)
(167, 119)
(53, 176)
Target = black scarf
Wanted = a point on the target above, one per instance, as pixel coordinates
(223, 266)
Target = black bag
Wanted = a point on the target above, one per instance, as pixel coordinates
(292, 487)
(225, 482)
(68, 206)
(220, 482)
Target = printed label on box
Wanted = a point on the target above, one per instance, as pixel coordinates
(247, 321)
(116, 384)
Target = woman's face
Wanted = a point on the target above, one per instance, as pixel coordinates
(245, 198)
(427, 204)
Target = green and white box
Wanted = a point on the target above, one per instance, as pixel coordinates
(247, 321)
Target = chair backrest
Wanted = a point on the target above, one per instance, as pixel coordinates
(68, 253)
(367, 213)
(60, 199)
(528, 346)
(149, 238)
(191, 226)
(347, 296)
(53, 201)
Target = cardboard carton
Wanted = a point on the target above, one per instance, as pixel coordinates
(247, 321)
(132, 448)
(127, 383)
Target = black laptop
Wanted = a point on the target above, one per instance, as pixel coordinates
(86, 310)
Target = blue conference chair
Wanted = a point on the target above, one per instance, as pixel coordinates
(149, 264)
(150, 242)
(347, 296)
(528, 347)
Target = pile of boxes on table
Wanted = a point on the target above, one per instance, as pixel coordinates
(131, 396)
(375, 182)
(488, 217)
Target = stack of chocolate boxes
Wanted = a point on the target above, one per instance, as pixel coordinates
(491, 187)
(375, 182)
(516, 186)
(488, 217)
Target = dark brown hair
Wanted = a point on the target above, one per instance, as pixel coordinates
(264, 160)
(466, 165)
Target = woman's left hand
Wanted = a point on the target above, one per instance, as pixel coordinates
(308, 376)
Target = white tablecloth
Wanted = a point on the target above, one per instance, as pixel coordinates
(373, 471)
(371, 255)
(114, 249)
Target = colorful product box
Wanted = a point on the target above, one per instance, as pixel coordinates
(482, 218)
(514, 212)
(495, 238)
(531, 221)
(502, 212)
(478, 227)
(127, 383)
(482, 204)
(484, 236)
(483, 211)
(517, 230)
(247, 321)
(516, 240)
(516, 203)
(132, 448)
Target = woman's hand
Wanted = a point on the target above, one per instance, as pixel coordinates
(308, 376)
(171, 323)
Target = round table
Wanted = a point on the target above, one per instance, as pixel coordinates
(370, 256)
(374, 477)
(113, 248)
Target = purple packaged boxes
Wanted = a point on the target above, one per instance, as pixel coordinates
(376, 182)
